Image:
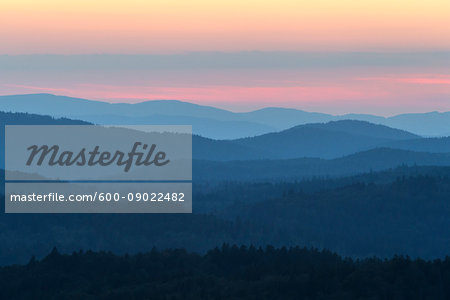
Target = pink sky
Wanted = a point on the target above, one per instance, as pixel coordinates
(347, 92)
(341, 84)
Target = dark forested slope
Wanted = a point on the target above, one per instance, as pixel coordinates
(229, 272)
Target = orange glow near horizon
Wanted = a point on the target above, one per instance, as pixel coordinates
(168, 26)
(414, 34)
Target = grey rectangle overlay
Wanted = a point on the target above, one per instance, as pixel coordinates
(143, 197)
(98, 169)
(91, 152)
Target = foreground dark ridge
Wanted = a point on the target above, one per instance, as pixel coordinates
(225, 273)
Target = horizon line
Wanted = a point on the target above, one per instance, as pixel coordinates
(228, 110)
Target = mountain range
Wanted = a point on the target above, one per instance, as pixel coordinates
(377, 159)
(319, 140)
(209, 121)
(337, 148)
(287, 187)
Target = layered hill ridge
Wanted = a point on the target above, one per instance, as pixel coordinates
(209, 121)
(321, 140)
(296, 169)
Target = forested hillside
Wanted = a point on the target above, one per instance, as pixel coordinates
(227, 272)
(402, 211)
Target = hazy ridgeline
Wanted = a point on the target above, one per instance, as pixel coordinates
(210, 121)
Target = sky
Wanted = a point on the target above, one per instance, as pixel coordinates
(361, 56)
